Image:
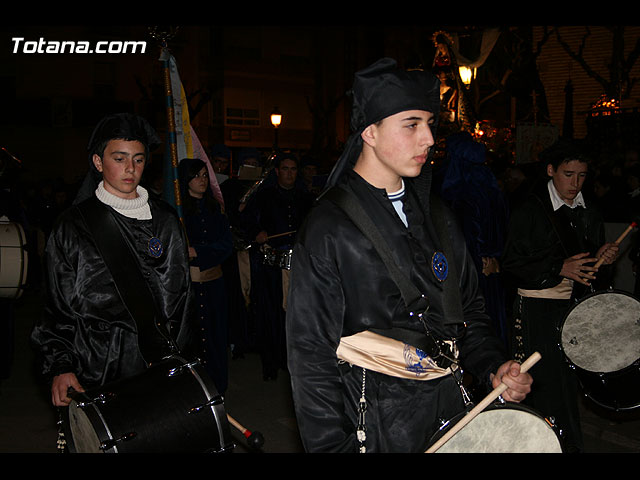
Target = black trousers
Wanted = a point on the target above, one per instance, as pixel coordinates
(555, 386)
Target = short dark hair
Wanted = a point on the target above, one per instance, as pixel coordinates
(564, 151)
(101, 146)
(282, 157)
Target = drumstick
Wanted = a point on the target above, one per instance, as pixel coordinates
(254, 439)
(488, 400)
(280, 234)
(275, 236)
(617, 242)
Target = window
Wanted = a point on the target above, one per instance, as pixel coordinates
(243, 117)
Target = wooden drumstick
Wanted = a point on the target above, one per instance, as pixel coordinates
(486, 401)
(276, 236)
(280, 234)
(619, 240)
(255, 439)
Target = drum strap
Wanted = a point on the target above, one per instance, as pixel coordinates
(413, 299)
(130, 283)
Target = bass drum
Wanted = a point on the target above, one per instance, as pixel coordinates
(600, 337)
(172, 407)
(13, 260)
(502, 428)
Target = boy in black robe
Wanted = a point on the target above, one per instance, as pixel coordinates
(554, 239)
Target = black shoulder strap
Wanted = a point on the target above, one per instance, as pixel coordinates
(413, 299)
(130, 283)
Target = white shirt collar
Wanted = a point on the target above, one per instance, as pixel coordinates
(557, 202)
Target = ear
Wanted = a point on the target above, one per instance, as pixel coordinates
(550, 170)
(97, 162)
(369, 135)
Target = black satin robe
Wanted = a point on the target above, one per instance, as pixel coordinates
(538, 242)
(86, 328)
(340, 286)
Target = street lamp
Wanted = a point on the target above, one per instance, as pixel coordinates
(466, 74)
(276, 119)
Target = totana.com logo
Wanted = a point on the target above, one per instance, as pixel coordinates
(20, 45)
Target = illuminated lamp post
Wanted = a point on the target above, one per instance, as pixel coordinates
(276, 120)
(466, 74)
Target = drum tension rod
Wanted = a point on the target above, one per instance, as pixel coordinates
(179, 370)
(102, 398)
(217, 400)
(107, 444)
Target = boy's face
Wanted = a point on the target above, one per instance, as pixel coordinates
(401, 142)
(568, 179)
(121, 165)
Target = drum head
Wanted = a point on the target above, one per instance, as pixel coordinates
(13, 260)
(504, 429)
(84, 436)
(602, 332)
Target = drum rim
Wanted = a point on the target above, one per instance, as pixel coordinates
(631, 366)
(96, 419)
(218, 410)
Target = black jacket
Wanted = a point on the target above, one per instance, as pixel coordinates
(86, 328)
(539, 240)
(340, 286)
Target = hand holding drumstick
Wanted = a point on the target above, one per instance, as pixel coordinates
(609, 251)
(488, 400)
(577, 267)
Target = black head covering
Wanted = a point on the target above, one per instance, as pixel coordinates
(125, 126)
(379, 91)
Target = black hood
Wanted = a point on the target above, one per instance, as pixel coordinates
(379, 91)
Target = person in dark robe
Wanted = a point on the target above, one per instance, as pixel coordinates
(471, 190)
(364, 374)
(272, 218)
(553, 241)
(210, 245)
(87, 336)
(237, 268)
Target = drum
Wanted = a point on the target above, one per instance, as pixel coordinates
(276, 258)
(502, 428)
(13, 260)
(600, 337)
(172, 407)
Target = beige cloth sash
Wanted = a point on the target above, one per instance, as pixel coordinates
(212, 273)
(562, 291)
(391, 357)
(285, 288)
(244, 268)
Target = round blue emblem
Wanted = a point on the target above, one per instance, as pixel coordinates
(440, 266)
(155, 247)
